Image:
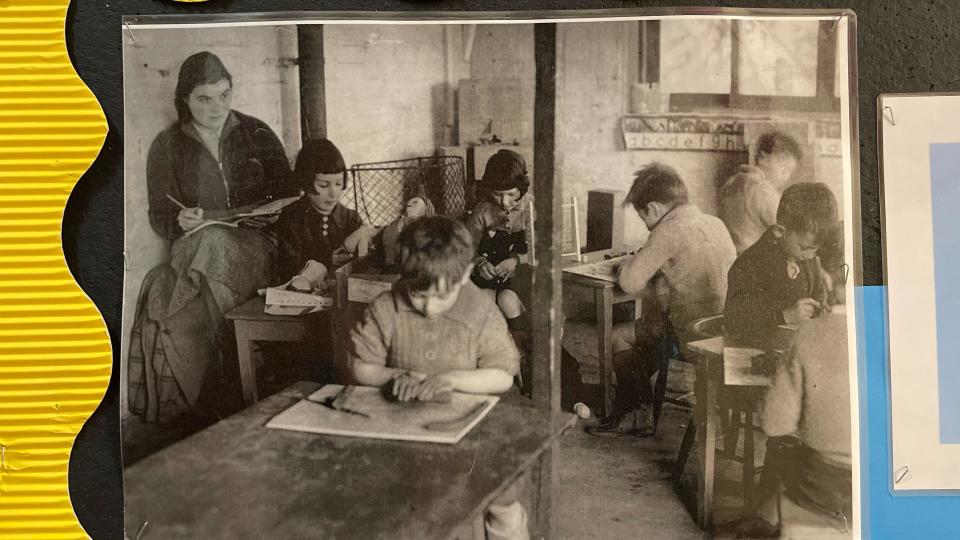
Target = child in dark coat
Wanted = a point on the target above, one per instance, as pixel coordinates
(316, 227)
(778, 279)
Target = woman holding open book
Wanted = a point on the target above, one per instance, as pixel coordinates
(213, 166)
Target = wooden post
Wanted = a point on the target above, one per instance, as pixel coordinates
(547, 299)
(313, 106)
(546, 311)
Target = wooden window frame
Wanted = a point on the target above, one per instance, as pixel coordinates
(824, 101)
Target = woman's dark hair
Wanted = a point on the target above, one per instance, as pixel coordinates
(808, 207)
(778, 142)
(318, 156)
(505, 170)
(657, 183)
(201, 68)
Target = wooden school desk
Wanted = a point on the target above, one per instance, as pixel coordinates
(252, 324)
(709, 379)
(238, 479)
(604, 295)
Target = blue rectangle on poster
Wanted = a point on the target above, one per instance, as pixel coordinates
(945, 207)
(885, 515)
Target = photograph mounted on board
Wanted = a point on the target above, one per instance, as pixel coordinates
(338, 303)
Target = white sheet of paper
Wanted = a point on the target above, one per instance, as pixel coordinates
(606, 269)
(910, 126)
(386, 419)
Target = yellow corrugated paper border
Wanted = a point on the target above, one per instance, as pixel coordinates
(55, 356)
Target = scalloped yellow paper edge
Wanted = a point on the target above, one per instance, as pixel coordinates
(55, 355)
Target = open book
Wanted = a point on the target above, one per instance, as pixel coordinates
(271, 208)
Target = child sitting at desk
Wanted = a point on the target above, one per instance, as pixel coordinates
(810, 400)
(436, 332)
(315, 227)
(749, 199)
(685, 260)
(778, 279)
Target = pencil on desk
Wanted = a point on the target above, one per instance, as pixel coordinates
(176, 202)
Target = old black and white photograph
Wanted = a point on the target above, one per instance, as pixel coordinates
(504, 276)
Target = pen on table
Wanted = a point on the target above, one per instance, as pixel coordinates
(176, 202)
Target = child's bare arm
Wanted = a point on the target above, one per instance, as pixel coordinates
(472, 381)
(372, 374)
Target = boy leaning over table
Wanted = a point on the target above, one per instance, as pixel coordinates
(682, 274)
(436, 332)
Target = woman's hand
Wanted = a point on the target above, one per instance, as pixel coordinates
(486, 270)
(506, 268)
(190, 218)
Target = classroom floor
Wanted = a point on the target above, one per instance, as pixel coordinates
(622, 488)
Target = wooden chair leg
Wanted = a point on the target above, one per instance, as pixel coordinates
(731, 434)
(660, 389)
(686, 445)
(748, 458)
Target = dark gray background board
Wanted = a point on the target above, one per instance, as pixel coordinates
(901, 47)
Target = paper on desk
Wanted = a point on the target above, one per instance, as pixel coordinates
(384, 419)
(291, 311)
(737, 367)
(365, 289)
(606, 269)
(278, 296)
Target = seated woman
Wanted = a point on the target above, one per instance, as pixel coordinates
(809, 402)
(211, 163)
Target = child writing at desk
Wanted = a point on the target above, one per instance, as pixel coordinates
(806, 415)
(682, 272)
(436, 332)
(778, 279)
(316, 227)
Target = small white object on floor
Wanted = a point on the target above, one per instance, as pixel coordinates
(582, 410)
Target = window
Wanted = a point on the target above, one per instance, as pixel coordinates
(760, 64)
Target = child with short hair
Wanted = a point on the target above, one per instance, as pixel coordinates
(436, 332)
(500, 225)
(316, 227)
(778, 279)
(749, 199)
(806, 412)
(681, 273)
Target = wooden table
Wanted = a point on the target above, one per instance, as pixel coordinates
(605, 294)
(710, 379)
(238, 479)
(252, 324)
(709, 370)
